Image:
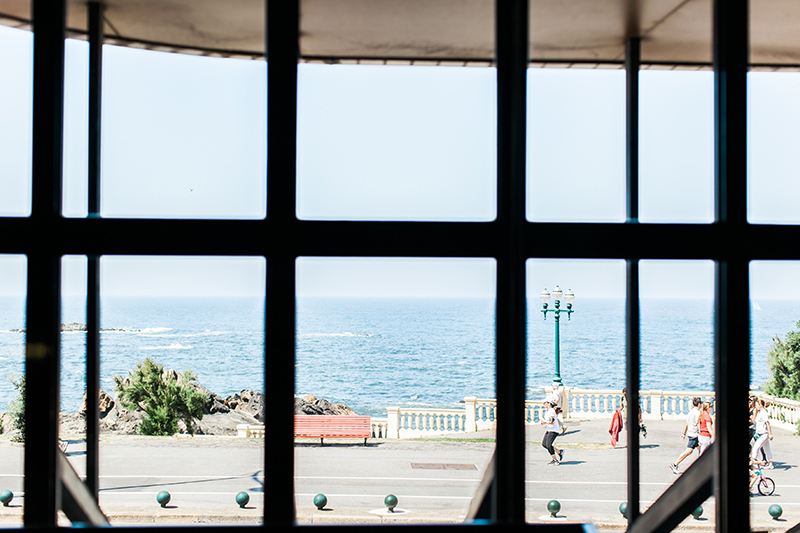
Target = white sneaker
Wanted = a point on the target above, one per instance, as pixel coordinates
(674, 468)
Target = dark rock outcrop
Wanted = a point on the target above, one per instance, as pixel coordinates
(248, 402)
(74, 326)
(220, 416)
(311, 405)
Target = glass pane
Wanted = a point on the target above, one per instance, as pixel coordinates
(204, 315)
(72, 426)
(396, 143)
(676, 146)
(773, 113)
(12, 370)
(774, 336)
(576, 145)
(183, 136)
(16, 64)
(409, 345)
(582, 344)
(677, 373)
(76, 129)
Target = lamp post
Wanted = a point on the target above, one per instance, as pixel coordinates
(558, 295)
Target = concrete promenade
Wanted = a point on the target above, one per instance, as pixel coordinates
(433, 479)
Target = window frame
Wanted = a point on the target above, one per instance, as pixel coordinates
(731, 242)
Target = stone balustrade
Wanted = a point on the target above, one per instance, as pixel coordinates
(380, 427)
(655, 404)
(480, 414)
(783, 413)
(250, 431)
(409, 422)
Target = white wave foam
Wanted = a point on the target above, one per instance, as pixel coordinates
(342, 334)
(134, 330)
(174, 346)
(206, 333)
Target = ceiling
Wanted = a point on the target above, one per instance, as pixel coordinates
(461, 32)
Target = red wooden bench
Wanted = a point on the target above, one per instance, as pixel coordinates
(332, 427)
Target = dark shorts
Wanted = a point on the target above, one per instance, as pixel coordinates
(693, 443)
(548, 440)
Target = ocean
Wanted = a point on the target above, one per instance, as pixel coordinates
(371, 353)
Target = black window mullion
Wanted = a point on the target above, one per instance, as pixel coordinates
(512, 62)
(732, 307)
(42, 349)
(282, 43)
(95, 26)
(632, 64)
(632, 363)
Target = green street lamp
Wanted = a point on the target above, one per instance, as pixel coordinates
(558, 295)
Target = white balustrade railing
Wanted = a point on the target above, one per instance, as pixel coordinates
(783, 413)
(655, 404)
(249, 431)
(410, 422)
(380, 427)
(480, 414)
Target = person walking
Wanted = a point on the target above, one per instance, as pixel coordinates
(763, 433)
(691, 431)
(752, 428)
(550, 420)
(706, 424)
(624, 410)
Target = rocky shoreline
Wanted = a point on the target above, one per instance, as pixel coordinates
(220, 415)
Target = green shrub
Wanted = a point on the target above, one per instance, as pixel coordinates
(16, 409)
(784, 364)
(164, 399)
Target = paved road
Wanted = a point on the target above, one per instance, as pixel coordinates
(433, 480)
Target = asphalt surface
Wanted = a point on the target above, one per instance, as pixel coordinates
(433, 479)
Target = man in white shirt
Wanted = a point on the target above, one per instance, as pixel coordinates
(692, 431)
(553, 429)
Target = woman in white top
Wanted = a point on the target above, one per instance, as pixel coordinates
(763, 433)
(550, 420)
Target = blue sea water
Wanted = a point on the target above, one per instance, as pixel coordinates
(371, 353)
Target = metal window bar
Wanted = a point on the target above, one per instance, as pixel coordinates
(731, 321)
(95, 25)
(282, 46)
(42, 338)
(510, 337)
(632, 355)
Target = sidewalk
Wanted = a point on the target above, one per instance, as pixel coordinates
(434, 479)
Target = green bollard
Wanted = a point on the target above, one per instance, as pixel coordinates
(390, 502)
(163, 498)
(242, 499)
(5, 497)
(775, 511)
(623, 509)
(320, 500)
(697, 513)
(554, 507)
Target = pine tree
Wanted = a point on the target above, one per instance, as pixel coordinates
(784, 364)
(164, 399)
(16, 409)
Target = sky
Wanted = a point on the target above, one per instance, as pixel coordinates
(184, 136)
